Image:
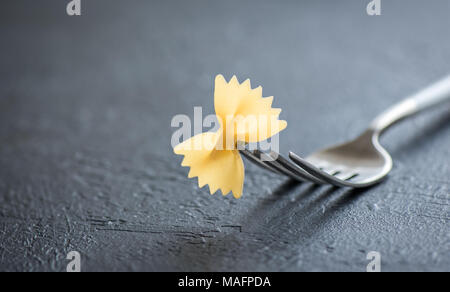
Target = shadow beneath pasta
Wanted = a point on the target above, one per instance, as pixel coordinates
(278, 225)
(302, 211)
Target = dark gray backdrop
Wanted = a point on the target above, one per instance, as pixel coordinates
(85, 156)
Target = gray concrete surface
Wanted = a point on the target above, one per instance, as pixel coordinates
(85, 156)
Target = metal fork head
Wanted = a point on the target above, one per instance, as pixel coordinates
(360, 163)
(276, 163)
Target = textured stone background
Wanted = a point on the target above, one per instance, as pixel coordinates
(85, 156)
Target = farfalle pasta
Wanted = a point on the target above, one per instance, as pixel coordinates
(244, 117)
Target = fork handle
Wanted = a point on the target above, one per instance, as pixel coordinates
(431, 96)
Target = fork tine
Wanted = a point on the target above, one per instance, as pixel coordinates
(252, 158)
(294, 168)
(346, 175)
(269, 161)
(311, 169)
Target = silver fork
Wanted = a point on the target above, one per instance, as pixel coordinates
(361, 162)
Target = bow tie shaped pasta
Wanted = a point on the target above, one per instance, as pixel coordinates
(244, 117)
